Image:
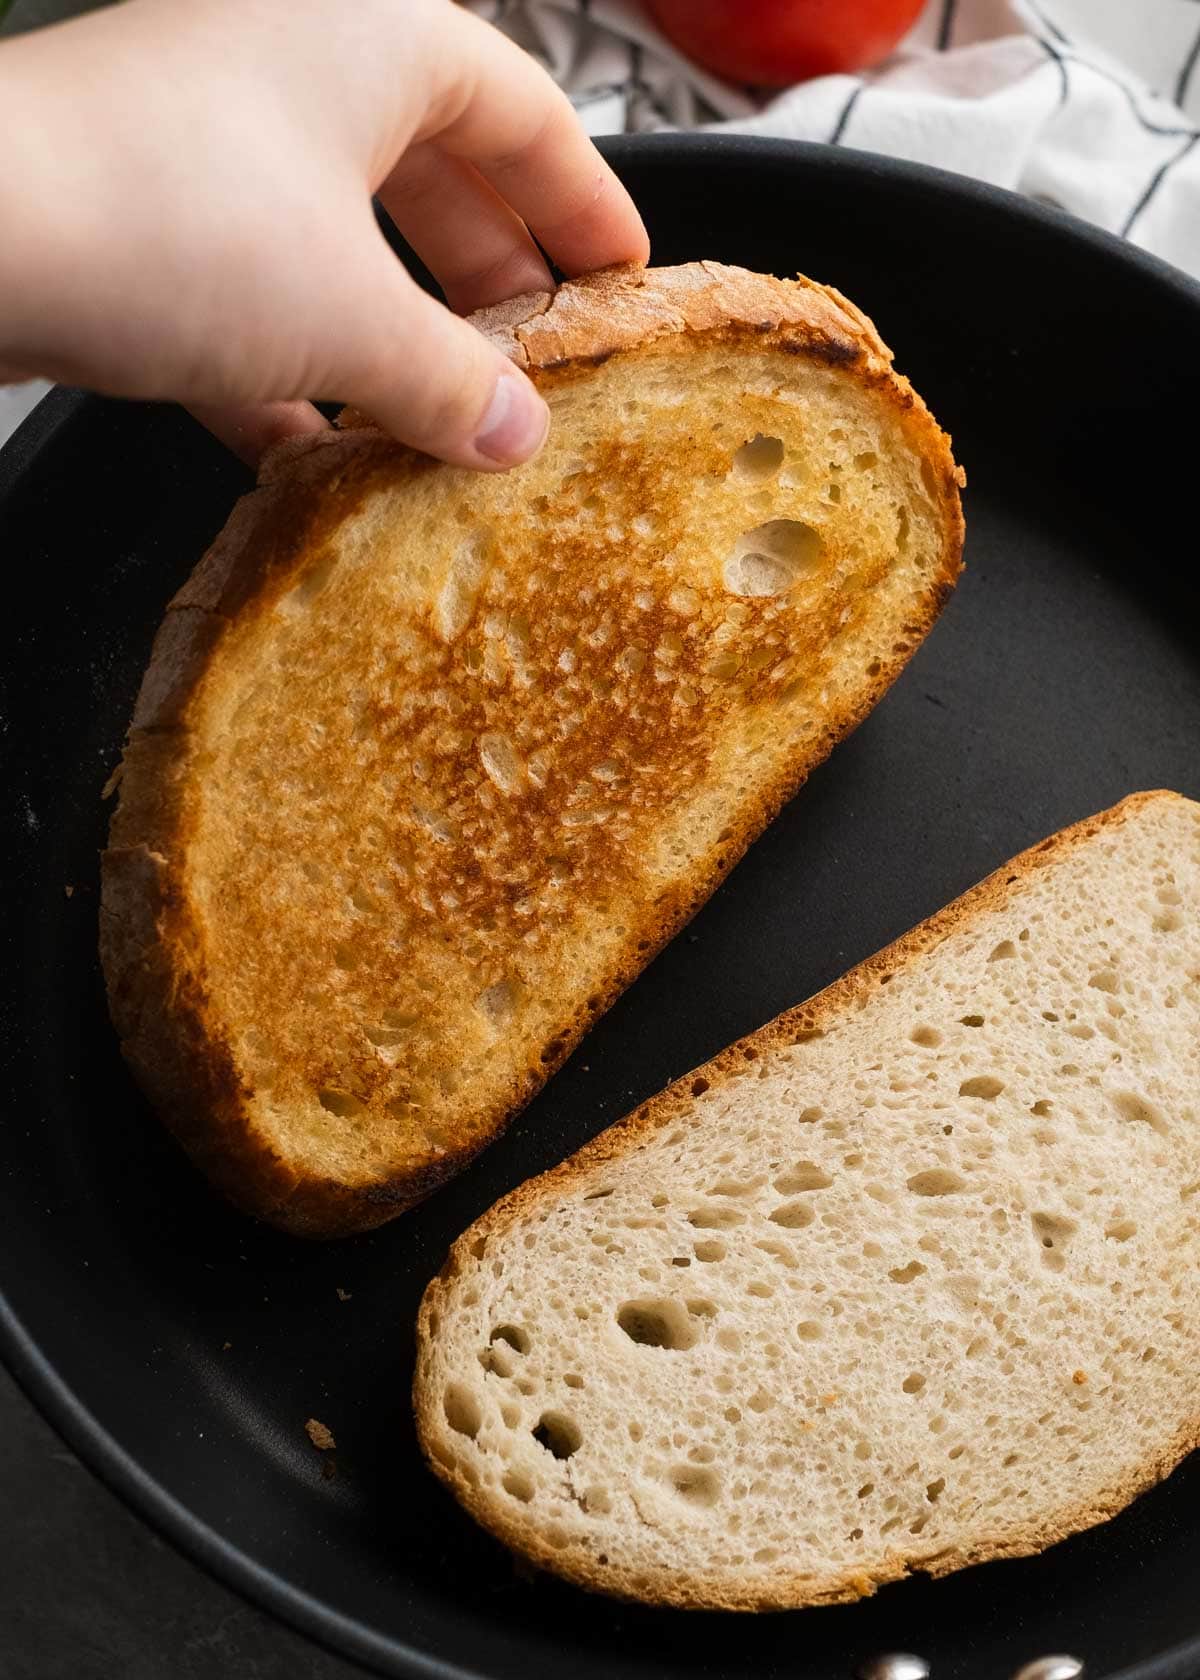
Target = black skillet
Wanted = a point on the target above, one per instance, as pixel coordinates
(180, 1349)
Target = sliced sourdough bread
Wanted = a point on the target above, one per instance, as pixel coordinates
(905, 1281)
(428, 764)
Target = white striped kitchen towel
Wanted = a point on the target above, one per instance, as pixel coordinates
(1093, 105)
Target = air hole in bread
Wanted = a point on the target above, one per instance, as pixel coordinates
(699, 1086)
(1104, 980)
(697, 1484)
(771, 559)
(1042, 1108)
(936, 1181)
(660, 1323)
(310, 585)
(1052, 1231)
(502, 763)
(1139, 1110)
(805, 1175)
(759, 458)
(927, 1037)
(519, 1484)
(810, 1330)
(384, 1038)
(497, 1361)
(984, 1085)
(914, 1383)
(710, 1251)
(341, 1103)
(715, 1218)
(1003, 952)
(972, 1020)
(513, 1335)
(558, 1433)
(1120, 1230)
(734, 1187)
(793, 1216)
(462, 1410)
(364, 901)
(498, 1003)
(1168, 921)
(437, 822)
(1051, 1228)
(906, 1274)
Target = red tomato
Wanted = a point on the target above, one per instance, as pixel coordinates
(772, 43)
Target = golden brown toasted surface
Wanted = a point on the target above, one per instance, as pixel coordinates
(426, 765)
(689, 1368)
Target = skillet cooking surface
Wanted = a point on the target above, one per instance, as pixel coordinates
(1064, 674)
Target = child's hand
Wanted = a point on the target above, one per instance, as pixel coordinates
(186, 213)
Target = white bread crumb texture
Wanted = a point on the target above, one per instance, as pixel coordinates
(919, 1288)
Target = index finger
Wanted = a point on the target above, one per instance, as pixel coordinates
(500, 109)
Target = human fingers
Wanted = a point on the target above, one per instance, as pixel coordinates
(423, 373)
(473, 243)
(251, 429)
(493, 105)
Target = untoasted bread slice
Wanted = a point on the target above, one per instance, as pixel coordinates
(427, 764)
(908, 1280)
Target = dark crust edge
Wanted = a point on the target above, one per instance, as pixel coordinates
(726, 1591)
(151, 950)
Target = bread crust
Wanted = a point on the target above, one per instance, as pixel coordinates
(838, 1001)
(152, 945)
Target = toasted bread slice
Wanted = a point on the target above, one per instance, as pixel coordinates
(908, 1280)
(427, 765)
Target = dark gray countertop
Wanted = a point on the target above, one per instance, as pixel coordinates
(87, 1592)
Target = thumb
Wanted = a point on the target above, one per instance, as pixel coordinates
(432, 379)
